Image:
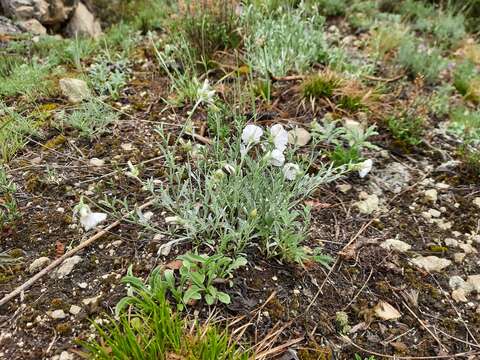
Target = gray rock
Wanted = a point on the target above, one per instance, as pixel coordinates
(75, 309)
(38, 264)
(397, 245)
(67, 266)
(83, 23)
(74, 90)
(431, 263)
(8, 27)
(394, 177)
(48, 12)
(33, 26)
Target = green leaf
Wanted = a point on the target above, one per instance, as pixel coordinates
(192, 293)
(197, 278)
(223, 297)
(209, 299)
(239, 262)
(193, 258)
(169, 277)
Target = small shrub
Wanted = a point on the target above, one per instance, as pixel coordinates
(209, 27)
(331, 7)
(467, 80)
(407, 128)
(276, 45)
(466, 123)
(419, 61)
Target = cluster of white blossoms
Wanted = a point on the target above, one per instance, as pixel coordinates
(252, 135)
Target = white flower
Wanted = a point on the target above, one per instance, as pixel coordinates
(251, 134)
(291, 171)
(277, 158)
(365, 168)
(88, 219)
(205, 93)
(280, 136)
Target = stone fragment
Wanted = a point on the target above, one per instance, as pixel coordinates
(299, 137)
(476, 202)
(97, 162)
(38, 264)
(75, 309)
(459, 257)
(58, 314)
(67, 266)
(369, 205)
(397, 245)
(431, 195)
(83, 23)
(431, 263)
(474, 282)
(33, 26)
(394, 177)
(75, 90)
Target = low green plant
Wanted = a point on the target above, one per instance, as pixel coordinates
(386, 37)
(8, 206)
(331, 7)
(209, 27)
(198, 278)
(418, 60)
(178, 62)
(15, 129)
(108, 77)
(287, 40)
(90, 118)
(358, 357)
(148, 329)
(466, 80)
(321, 85)
(440, 100)
(448, 28)
(27, 79)
(407, 128)
(466, 124)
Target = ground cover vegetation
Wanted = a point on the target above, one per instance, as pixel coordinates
(277, 179)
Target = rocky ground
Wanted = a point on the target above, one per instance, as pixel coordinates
(405, 277)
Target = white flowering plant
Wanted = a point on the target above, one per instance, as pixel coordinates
(246, 194)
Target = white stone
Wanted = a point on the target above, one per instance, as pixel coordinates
(96, 162)
(369, 205)
(58, 314)
(434, 213)
(299, 136)
(431, 195)
(474, 282)
(467, 248)
(127, 146)
(394, 244)
(431, 263)
(75, 309)
(67, 266)
(66, 356)
(451, 242)
(459, 257)
(476, 202)
(38, 264)
(75, 90)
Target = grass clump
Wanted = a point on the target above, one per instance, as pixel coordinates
(386, 37)
(209, 27)
(406, 128)
(466, 123)
(467, 81)
(149, 329)
(15, 129)
(285, 41)
(321, 85)
(26, 79)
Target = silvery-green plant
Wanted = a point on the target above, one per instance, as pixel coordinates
(248, 193)
(286, 40)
